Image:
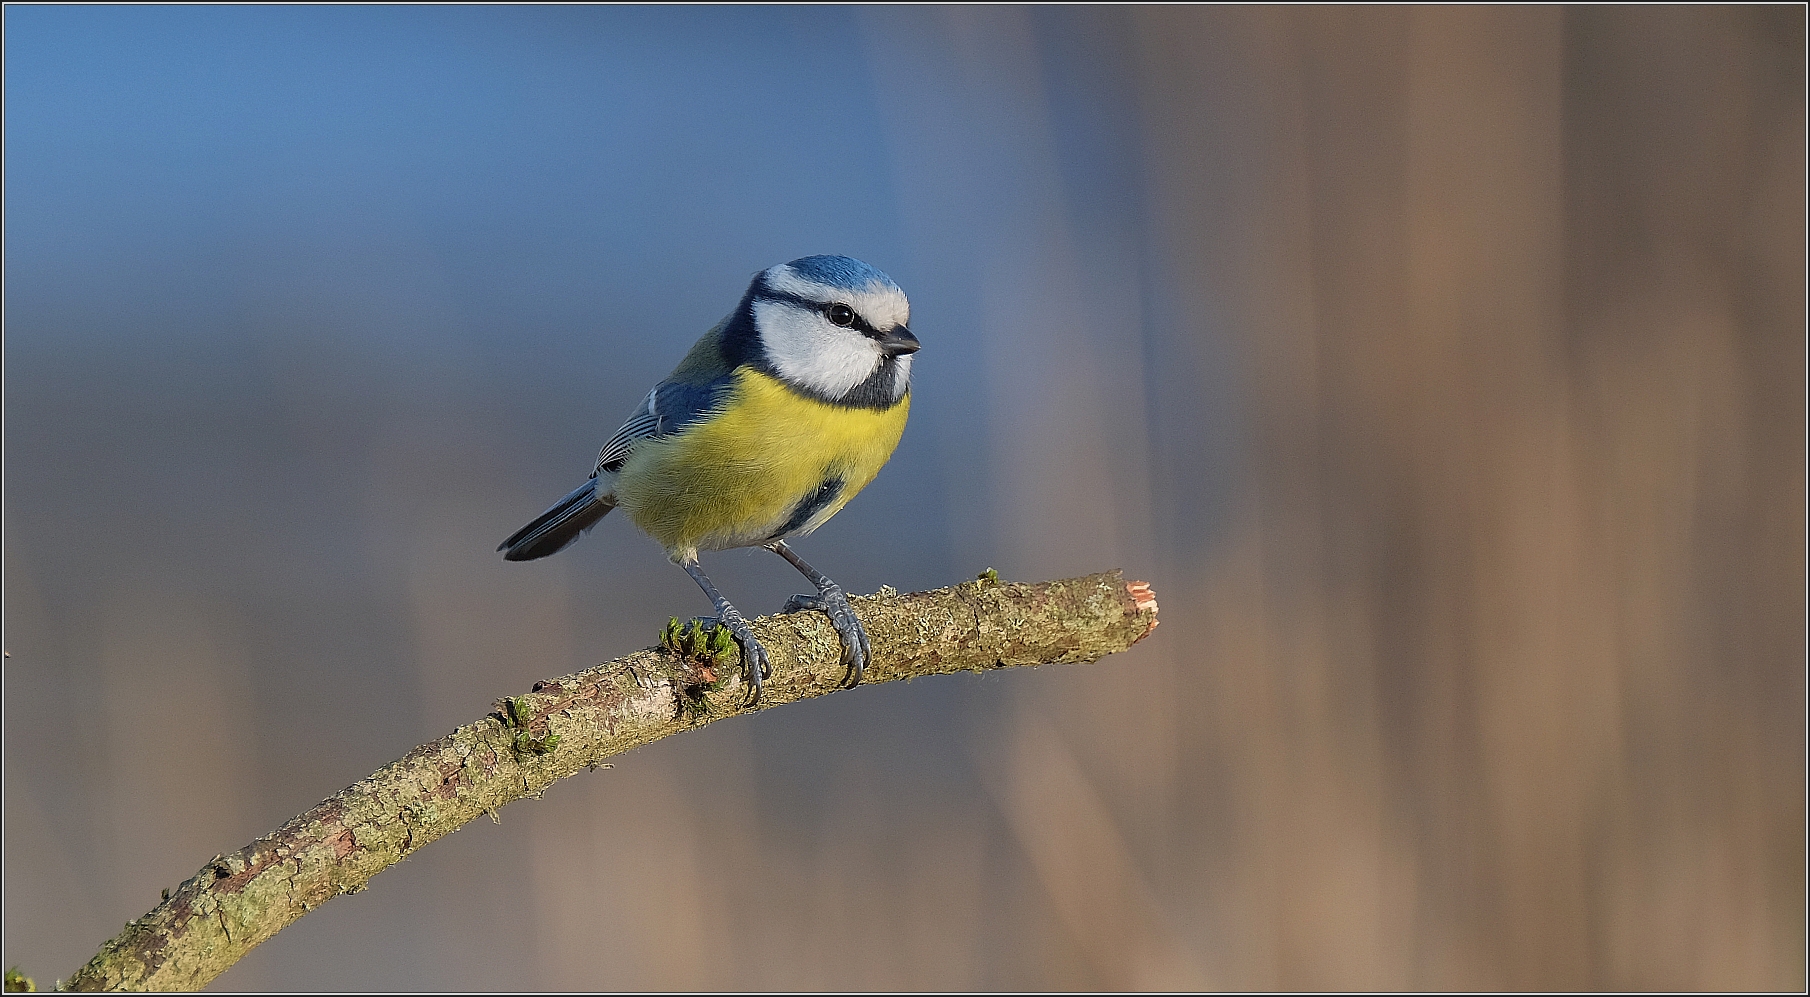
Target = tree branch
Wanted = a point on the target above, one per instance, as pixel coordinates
(575, 722)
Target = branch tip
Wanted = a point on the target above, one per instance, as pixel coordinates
(1144, 598)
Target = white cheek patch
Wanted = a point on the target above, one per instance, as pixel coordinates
(883, 307)
(901, 380)
(810, 352)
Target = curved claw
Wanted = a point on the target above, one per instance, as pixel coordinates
(756, 665)
(833, 603)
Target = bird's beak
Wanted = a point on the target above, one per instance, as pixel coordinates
(899, 342)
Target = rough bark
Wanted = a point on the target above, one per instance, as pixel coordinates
(576, 721)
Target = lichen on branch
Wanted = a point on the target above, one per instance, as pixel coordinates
(576, 722)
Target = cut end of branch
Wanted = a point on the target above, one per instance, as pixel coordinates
(1144, 598)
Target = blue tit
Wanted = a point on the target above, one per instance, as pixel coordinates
(766, 429)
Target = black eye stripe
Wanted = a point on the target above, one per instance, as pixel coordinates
(860, 324)
(855, 321)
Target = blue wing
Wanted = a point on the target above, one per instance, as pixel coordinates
(666, 410)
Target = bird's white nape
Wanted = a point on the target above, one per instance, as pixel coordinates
(810, 352)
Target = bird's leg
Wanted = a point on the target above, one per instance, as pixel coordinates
(755, 666)
(831, 601)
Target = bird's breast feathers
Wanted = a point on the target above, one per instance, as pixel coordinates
(768, 463)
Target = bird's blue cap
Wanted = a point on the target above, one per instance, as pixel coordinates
(840, 271)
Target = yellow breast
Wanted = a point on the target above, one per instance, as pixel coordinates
(734, 479)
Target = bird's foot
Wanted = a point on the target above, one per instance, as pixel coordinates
(756, 666)
(832, 602)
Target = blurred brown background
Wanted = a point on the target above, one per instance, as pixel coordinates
(1443, 369)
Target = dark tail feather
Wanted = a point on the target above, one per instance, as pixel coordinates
(554, 529)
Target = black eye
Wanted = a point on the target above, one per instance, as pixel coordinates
(840, 314)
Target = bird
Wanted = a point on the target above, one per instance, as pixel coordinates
(772, 422)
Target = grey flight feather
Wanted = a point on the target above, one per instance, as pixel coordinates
(554, 529)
